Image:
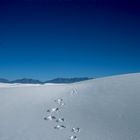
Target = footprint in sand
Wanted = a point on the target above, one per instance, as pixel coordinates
(73, 92)
(50, 118)
(73, 138)
(60, 102)
(75, 130)
(53, 110)
(59, 127)
(60, 120)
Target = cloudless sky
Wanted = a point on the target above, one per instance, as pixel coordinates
(45, 39)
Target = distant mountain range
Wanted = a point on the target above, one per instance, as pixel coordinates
(34, 81)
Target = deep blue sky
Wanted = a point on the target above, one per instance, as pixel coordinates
(44, 39)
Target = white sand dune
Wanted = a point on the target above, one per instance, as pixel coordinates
(100, 109)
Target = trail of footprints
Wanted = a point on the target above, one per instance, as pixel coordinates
(60, 121)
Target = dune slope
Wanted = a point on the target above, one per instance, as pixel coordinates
(100, 109)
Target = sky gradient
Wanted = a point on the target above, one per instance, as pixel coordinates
(45, 39)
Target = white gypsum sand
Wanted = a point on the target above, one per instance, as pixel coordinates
(102, 109)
